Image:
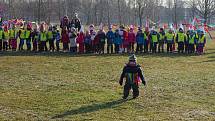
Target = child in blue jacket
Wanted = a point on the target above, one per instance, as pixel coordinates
(110, 38)
(117, 41)
(140, 39)
(58, 38)
(87, 42)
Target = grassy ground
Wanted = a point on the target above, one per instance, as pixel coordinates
(65, 87)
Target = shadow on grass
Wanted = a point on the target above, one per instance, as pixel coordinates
(211, 57)
(212, 49)
(208, 61)
(55, 54)
(90, 108)
(209, 53)
(67, 54)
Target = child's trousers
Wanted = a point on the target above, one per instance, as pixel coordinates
(14, 44)
(127, 89)
(1, 44)
(5, 45)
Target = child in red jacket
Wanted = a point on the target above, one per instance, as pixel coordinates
(65, 39)
(131, 39)
(96, 44)
(80, 40)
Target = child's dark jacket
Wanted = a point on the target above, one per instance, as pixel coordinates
(132, 70)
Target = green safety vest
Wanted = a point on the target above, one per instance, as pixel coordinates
(161, 36)
(6, 35)
(145, 37)
(181, 37)
(22, 34)
(201, 40)
(12, 33)
(36, 37)
(27, 34)
(132, 78)
(50, 35)
(169, 37)
(1, 34)
(197, 36)
(43, 36)
(191, 39)
(154, 38)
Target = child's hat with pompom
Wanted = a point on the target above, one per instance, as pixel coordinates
(133, 57)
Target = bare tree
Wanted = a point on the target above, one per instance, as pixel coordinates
(175, 12)
(108, 5)
(204, 8)
(39, 10)
(97, 11)
(141, 6)
(169, 10)
(10, 6)
(119, 11)
(192, 4)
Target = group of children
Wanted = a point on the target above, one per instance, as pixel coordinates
(119, 40)
(189, 42)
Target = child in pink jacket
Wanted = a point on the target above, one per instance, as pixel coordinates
(131, 40)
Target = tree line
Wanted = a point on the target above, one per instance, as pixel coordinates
(110, 11)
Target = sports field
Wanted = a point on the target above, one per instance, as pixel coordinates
(59, 86)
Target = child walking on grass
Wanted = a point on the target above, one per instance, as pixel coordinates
(133, 74)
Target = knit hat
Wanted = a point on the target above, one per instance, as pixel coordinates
(50, 27)
(161, 29)
(133, 57)
(131, 27)
(76, 15)
(91, 27)
(181, 27)
(121, 27)
(73, 29)
(181, 30)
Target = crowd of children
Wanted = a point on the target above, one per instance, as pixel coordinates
(119, 40)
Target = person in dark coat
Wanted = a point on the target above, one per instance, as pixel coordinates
(35, 38)
(140, 40)
(101, 37)
(65, 39)
(117, 41)
(64, 22)
(146, 44)
(161, 40)
(75, 22)
(133, 74)
(87, 42)
(110, 38)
